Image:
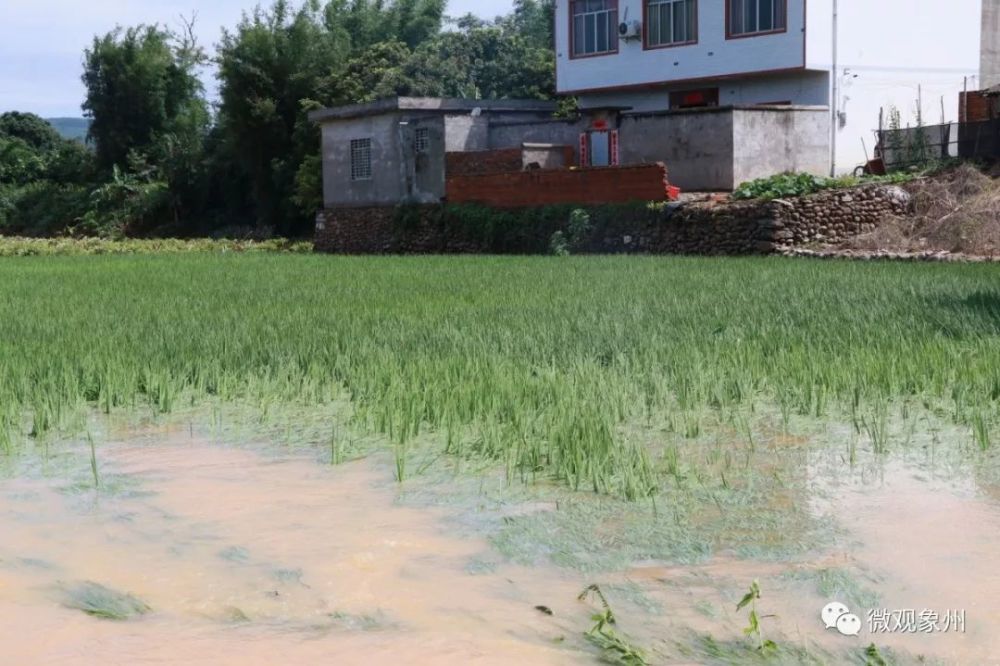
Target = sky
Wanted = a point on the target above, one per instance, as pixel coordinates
(42, 42)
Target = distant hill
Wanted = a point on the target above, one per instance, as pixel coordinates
(71, 128)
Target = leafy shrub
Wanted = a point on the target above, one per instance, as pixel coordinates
(800, 184)
(558, 245)
(41, 207)
(576, 235)
(127, 203)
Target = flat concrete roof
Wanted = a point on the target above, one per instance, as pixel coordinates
(442, 105)
(727, 109)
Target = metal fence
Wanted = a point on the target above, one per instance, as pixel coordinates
(913, 146)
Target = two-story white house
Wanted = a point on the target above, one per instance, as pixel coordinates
(841, 60)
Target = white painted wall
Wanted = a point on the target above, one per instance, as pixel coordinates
(890, 53)
(712, 56)
(989, 63)
(809, 88)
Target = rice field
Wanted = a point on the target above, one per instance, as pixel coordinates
(666, 429)
(536, 363)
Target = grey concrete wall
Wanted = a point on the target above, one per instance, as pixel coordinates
(696, 146)
(989, 65)
(512, 134)
(399, 173)
(426, 169)
(387, 183)
(466, 133)
(771, 141)
(717, 149)
(545, 156)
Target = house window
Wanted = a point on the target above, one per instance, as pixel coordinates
(361, 159)
(422, 140)
(694, 99)
(671, 22)
(754, 17)
(595, 27)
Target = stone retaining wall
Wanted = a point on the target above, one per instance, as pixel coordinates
(736, 228)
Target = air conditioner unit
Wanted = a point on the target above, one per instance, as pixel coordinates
(629, 30)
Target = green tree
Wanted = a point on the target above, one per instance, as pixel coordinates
(534, 20)
(36, 133)
(268, 65)
(283, 61)
(32, 150)
(365, 23)
(502, 59)
(142, 85)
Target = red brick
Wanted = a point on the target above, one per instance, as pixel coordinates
(563, 186)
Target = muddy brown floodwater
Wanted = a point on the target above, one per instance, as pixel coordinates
(250, 558)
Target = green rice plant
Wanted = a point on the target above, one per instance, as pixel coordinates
(876, 424)
(400, 453)
(336, 449)
(552, 370)
(981, 431)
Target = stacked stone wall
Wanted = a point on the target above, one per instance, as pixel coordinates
(731, 228)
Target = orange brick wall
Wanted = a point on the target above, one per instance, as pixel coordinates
(973, 107)
(646, 182)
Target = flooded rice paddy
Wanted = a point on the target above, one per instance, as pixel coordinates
(190, 550)
(295, 460)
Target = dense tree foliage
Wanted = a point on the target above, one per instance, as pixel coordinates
(161, 161)
(142, 86)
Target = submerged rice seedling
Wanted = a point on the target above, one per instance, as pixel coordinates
(102, 602)
(93, 460)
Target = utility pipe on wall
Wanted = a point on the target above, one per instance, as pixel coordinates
(835, 101)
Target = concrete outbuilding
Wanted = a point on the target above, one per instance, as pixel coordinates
(394, 151)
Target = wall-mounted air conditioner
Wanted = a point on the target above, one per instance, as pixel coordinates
(629, 30)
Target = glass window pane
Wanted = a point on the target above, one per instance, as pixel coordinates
(736, 17)
(766, 15)
(652, 27)
(680, 21)
(578, 37)
(602, 32)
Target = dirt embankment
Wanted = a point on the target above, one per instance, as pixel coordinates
(955, 215)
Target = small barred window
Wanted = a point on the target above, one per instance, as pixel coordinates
(361, 159)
